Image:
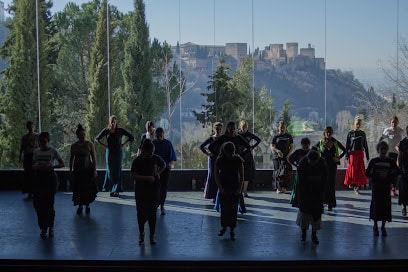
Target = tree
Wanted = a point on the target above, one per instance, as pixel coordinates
(264, 113)
(169, 80)
(98, 111)
(397, 70)
(221, 103)
(137, 73)
(285, 116)
(20, 81)
(241, 84)
(75, 38)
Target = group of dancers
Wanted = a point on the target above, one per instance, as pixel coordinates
(315, 178)
(39, 160)
(231, 169)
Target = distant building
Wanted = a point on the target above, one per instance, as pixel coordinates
(236, 51)
(292, 50)
(308, 52)
(206, 57)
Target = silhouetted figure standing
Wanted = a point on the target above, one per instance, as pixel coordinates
(295, 159)
(241, 145)
(82, 168)
(229, 175)
(356, 146)
(382, 170)
(210, 189)
(329, 149)
(114, 155)
(312, 173)
(149, 134)
(249, 162)
(145, 171)
(403, 165)
(281, 147)
(29, 142)
(394, 135)
(45, 183)
(164, 149)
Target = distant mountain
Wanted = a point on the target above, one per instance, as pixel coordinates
(302, 85)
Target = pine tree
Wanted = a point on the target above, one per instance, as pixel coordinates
(137, 73)
(98, 112)
(219, 107)
(20, 82)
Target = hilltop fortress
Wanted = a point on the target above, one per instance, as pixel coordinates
(206, 56)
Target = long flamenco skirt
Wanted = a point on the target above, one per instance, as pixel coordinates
(355, 173)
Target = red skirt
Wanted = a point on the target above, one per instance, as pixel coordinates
(355, 174)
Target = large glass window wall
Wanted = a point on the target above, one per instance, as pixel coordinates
(312, 63)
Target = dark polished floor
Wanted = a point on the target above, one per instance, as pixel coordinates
(187, 240)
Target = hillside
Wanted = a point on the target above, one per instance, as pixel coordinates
(303, 86)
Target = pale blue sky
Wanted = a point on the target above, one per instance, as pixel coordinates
(360, 34)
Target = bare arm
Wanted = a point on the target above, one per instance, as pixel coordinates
(71, 158)
(241, 178)
(93, 157)
(277, 151)
(218, 178)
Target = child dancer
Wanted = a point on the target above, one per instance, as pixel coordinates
(312, 174)
(229, 176)
(146, 170)
(382, 171)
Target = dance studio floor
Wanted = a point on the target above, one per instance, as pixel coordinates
(267, 237)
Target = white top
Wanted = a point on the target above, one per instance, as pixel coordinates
(394, 137)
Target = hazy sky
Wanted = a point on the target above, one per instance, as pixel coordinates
(353, 35)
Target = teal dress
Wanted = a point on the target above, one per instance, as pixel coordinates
(295, 159)
(114, 156)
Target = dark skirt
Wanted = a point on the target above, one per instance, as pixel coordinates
(45, 186)
(113, 175)
(147, 199)
(249, 167)
(84, 187)
(293, 197)
(282, 171)
(211, 188)
(329, 195)
(403, 190)
(241, 203)
(380, 207)
(229, 204)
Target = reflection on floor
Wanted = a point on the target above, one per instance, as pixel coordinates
(187, 235)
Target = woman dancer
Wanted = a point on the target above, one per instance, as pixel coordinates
(82, 168)
(210, 190)
(281, 147)
(295, 159)
(114, 154)
(249, 163)
(240, 144)
(329, 149)
(356, 146)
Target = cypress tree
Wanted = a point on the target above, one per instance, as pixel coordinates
(98, 111)
(137, 73)
(20, 82)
